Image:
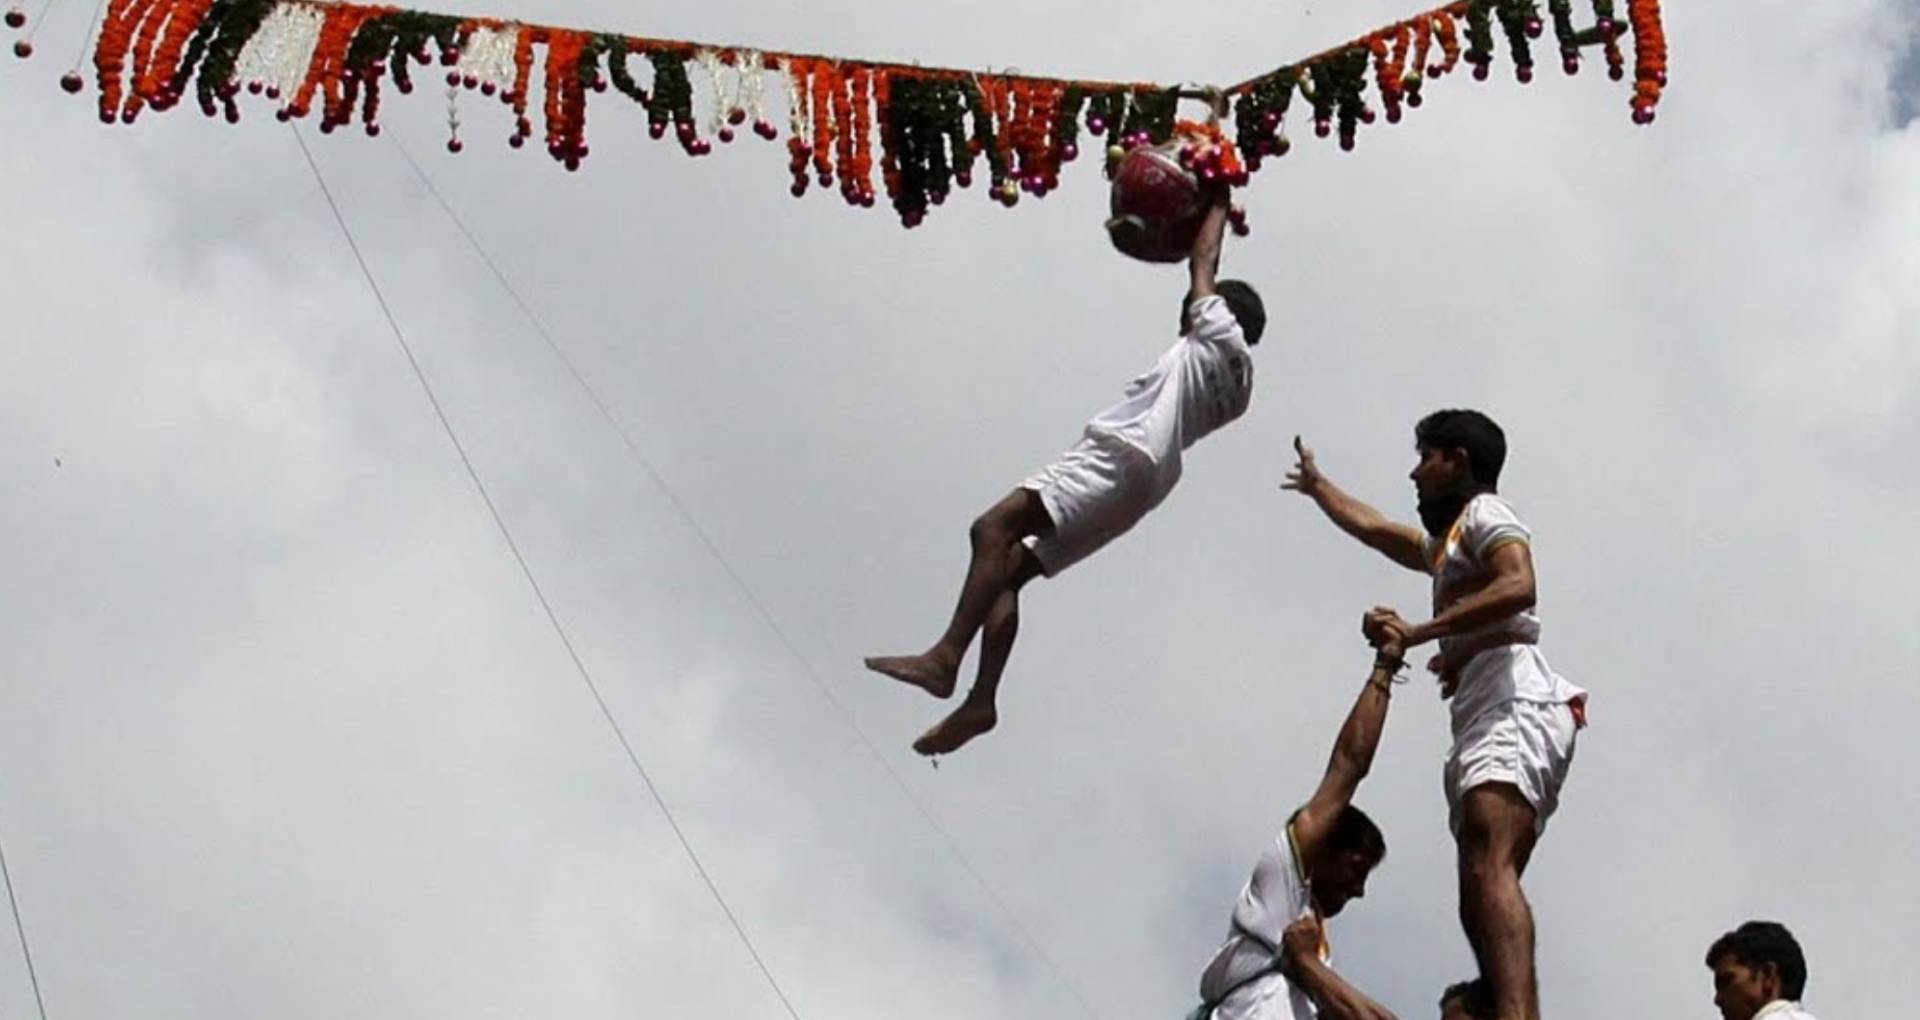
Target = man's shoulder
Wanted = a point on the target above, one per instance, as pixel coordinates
(1490, 511)
(1211, 320)
(1489, 521)
(1491, 504)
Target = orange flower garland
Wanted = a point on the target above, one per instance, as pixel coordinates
(1206, 151)
(798, 71)
(1017, 129)
(1396, 87)
(1422, 44)
(110, 58)
(1443, 23)
(144, 43)
(1649, 57)
(843, 135)
(1383, 77)
(564, 99)
(824, 82)
(329, 51)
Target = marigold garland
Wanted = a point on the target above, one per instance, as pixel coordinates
(932, 123)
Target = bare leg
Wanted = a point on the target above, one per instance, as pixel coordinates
(998, 556)
(1495, 841)
(978, 714)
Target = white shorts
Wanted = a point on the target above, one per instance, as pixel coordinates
(1093, 493)
(1528, 744)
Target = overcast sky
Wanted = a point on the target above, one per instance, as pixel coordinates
(283, 732)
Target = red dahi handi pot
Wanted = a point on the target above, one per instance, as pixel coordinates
(1161, 192)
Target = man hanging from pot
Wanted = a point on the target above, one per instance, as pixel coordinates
(1128, 459)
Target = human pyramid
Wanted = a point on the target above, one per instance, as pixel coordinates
(1515, 721)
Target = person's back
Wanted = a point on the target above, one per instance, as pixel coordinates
(1274, 897)
(1201, 383)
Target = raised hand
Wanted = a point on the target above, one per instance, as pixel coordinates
(1305, 478)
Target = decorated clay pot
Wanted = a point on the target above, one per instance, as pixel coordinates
(1156, 205)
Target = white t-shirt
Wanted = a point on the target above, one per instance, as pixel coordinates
(1242, 980)
(1461, 564)
(1781, 1009)
(1202, 382)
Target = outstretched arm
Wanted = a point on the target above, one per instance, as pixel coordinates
(1352, 755)
(1401, 543)
(1338, 1000)
(1203, 262)
(1511, 590)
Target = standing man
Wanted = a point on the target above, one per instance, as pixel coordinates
(1758, 973)
(1514, 719)
(1274, 963)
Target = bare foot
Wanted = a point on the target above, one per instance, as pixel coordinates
(950, 734)
(919, 670)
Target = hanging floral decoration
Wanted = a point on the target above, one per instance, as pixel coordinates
(869, 130)
(1406, 55)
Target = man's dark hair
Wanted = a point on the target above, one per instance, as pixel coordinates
(1485, 443)
(1476, 997)
(1245, 304)
(1247, 308)
(1758, 943)
(1354, 832)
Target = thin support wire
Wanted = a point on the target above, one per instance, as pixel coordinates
(87, 40)
(20, 927)
(546, 607)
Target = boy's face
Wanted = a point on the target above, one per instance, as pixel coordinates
(1340, 878)
(1438, 471)
(1740, 990)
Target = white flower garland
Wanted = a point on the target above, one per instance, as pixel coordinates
(278, 55)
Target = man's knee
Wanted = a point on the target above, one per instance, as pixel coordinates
(1015, 517)
(1496, 829)
(992, 531)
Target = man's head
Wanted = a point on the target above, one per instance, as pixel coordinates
(1245, 304)
(1461, 454)
(1352, 849)
(1753, 965)
(1468, 1000)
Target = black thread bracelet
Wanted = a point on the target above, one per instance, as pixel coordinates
(1393, 666)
